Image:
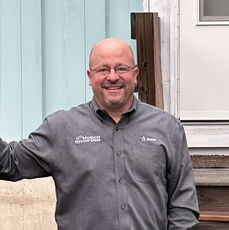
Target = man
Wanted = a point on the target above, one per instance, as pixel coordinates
(117, 163)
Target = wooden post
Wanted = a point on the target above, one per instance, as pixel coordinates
(145, 28)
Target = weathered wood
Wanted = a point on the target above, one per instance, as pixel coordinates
(145, 56)
(211, 177)
(210, 161)
(207, 135)
(159, 102)
(214, 216)
(213, 198)
(214, 209)
(146, 30)
(211, 226)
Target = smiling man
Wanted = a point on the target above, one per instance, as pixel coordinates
(117, 163)
(113, 76)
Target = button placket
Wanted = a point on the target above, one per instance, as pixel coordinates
(120, 175)
(124, 206)
(122, 180)
(119, 153)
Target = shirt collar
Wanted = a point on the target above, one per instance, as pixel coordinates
(102, 112)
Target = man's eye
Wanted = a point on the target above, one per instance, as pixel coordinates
(122, 69)
(102, 70)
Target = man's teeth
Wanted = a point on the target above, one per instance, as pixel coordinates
(113, 88)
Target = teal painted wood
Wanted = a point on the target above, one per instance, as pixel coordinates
(109, 18)
(44, 55)
(118, 19)
(10, 70)
(31, 58)
(95, 30)
(134, 6)
(64, 64)
(75, 52)
(54, 54)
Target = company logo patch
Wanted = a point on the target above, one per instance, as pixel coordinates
(149, 139)
(87, 139)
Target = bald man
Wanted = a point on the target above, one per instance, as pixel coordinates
(117, 163)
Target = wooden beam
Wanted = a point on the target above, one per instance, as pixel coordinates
(213, 198)
(145, 28)
(211, 176)
(211, 225)
(157, 63)
(214, 216)
(210, 161)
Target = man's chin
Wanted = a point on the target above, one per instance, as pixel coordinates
(113, 102)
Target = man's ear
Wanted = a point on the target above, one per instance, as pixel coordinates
(136, 72)
(89, 76)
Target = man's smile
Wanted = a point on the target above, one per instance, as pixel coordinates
(112, 87)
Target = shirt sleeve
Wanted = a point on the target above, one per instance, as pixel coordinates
(183, 211)
(29, 158)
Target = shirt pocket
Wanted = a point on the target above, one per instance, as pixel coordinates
(148, 162)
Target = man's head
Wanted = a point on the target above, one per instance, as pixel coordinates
(112, 74)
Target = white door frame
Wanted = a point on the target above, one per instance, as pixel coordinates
(207, 136)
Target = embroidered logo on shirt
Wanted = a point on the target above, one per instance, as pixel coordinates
(87, 139)
(150, 139)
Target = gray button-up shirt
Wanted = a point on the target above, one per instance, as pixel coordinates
(134, 175)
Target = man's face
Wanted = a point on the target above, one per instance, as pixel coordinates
(113, 91)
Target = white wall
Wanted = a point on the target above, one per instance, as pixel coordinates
(203, 138)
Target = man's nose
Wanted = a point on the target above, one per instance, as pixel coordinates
(112, 76)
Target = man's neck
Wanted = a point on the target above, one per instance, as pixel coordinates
(116, 112)
(116, 116)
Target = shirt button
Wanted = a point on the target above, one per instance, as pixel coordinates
(116, 128)
(123, 206)
(121, 180)
(119, 154)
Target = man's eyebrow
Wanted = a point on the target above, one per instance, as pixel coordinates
(118, 64)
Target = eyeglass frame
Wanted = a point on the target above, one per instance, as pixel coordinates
(114, 68)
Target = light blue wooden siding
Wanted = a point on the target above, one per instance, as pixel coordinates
(31, 66)
(11, 67)
(44, 49)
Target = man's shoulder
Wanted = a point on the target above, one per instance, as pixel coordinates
(157, 113)
(144, 107)
(75, 111)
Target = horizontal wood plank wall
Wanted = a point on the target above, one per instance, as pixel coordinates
(214, 198)
(211, 175)
(44, 49)
(211, 226)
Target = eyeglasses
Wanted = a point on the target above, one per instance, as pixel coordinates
(121, 69)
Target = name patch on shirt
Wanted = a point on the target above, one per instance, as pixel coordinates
(148, 139)
(87, 139)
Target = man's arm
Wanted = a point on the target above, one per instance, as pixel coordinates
(28, 158)
(183, 210)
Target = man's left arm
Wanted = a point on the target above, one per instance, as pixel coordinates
(183, 211)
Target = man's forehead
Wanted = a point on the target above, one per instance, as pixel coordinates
(111, 41)
(111, 47)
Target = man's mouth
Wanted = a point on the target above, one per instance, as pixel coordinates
(112, 87)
